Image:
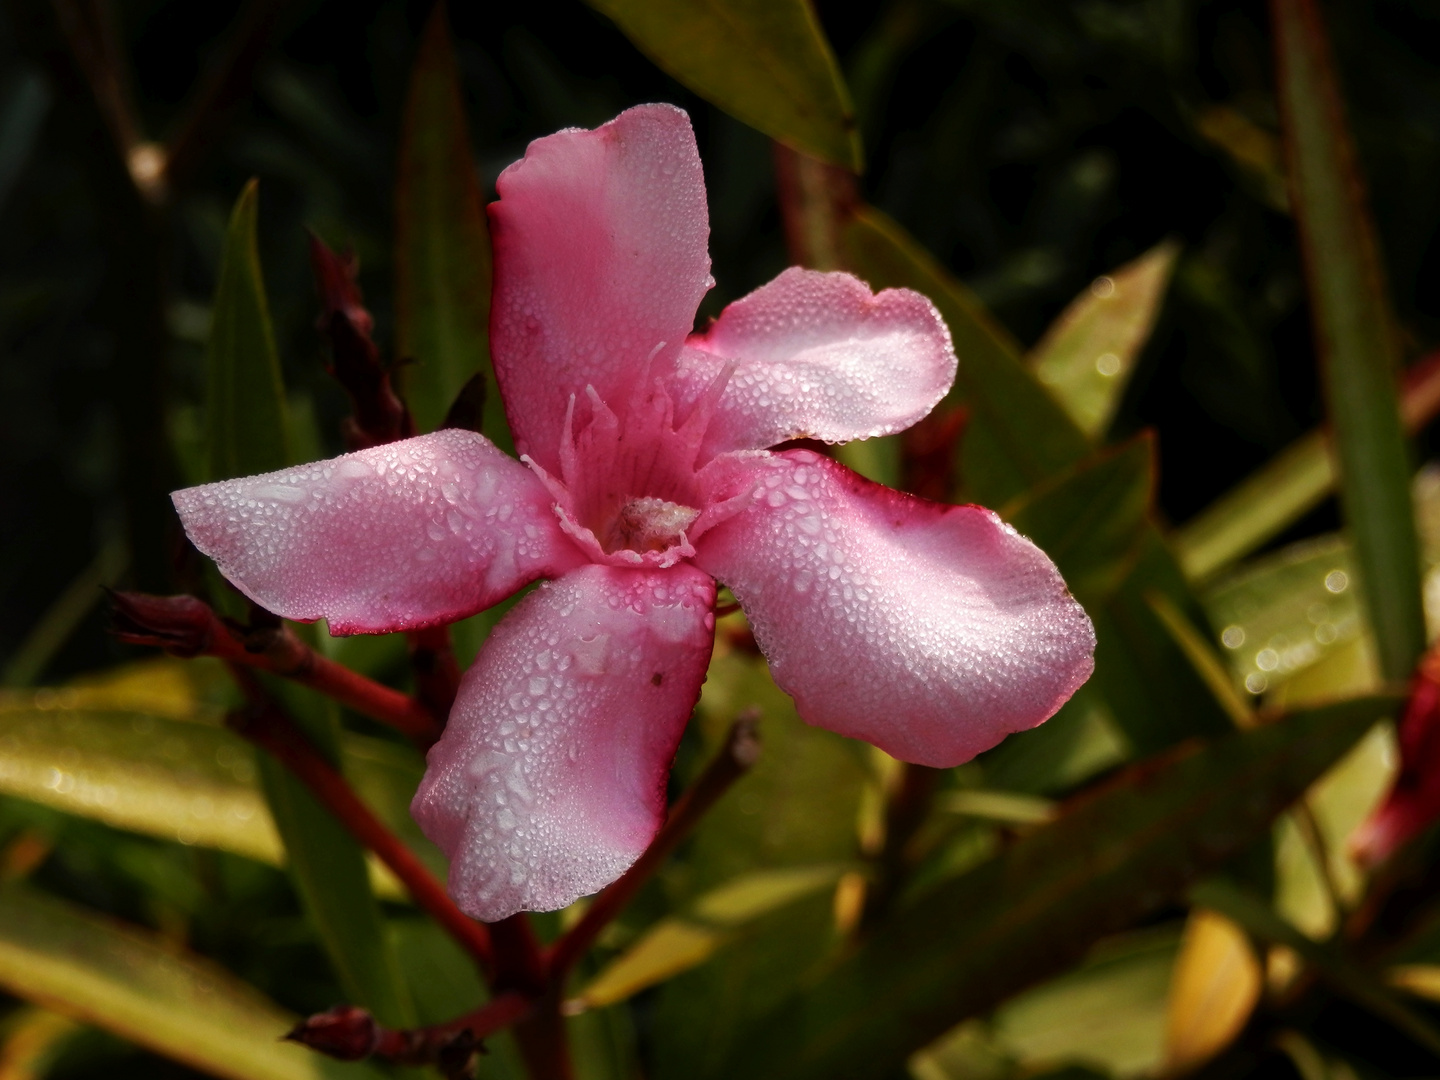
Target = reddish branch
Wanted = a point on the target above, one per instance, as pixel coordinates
(264, 723)
(734, 761)
(186, 626)
(349, 1033)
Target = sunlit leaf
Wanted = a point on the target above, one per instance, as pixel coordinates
(1109, 1012)
(682, 942)
(1286, 611)
(1306, 890)
(1123, 852)
(179, 781)
(1009, 807)
(98, 752)
(765, 62)
(1087, 356)
(1213, 990)
(143, 989)
(1203, 659)
(30, 1041)
(1354, 332)
(442, 244)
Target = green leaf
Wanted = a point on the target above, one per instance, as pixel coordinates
(1017, 435)
(975, 940)
(142, 988)
(1091, 518)
(245, 406)
(1344, 976)
(442, 244)
(1262, 506)
(248, 434)
(1153, 690)
(765, 62)
(1355, 334)
(1087, 356)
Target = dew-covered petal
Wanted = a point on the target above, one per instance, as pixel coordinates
(931, 631)
(600, 262)
(550, 779)
(412, 533)
(819, 356)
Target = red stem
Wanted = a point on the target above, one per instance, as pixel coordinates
(264, 724)
(734, 761)
(186, 626)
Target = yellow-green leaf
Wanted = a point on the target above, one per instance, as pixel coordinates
(1087, 356)
(143, 989)
(765, 62)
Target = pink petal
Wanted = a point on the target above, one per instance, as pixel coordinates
(931, 631)
(818, 356)
(600, 261)
(550, 778)
(412, 533)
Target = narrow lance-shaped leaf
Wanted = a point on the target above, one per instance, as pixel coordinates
(1087, 356)
(442, 244)
(765, 62)
(1027, 913)
(245, 407)
(1353, 331)
(248, 435)
(139, 987)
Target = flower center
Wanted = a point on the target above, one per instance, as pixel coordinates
(628, 491)
(648, 524)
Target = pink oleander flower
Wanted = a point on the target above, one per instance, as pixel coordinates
(932, 631)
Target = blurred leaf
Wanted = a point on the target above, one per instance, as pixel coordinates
(1337, 803)
(1009, 807)
(1017, 435)
(1109, 1012)
(765, 62)
(1262, 506)
(1354, 332)
(1090, 518)
(442, 244)
(1203, 659)
(796, 807)
(179, 781)
(245, 407)
(141, 988)
(679, 943)
(1254, 150)
(1215, 987)
(1088, 354)
(1153, 690)
(24, 101)
(1079, 741)
(178, 776)
(30, 1041)
(1115, 856)
(1344, 977)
